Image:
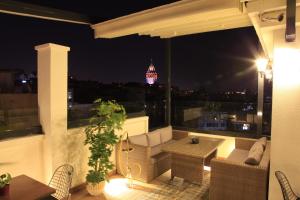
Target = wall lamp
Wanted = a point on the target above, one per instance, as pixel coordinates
(264, 67)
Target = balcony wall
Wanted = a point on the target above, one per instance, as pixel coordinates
(27, 156)
(23, 156)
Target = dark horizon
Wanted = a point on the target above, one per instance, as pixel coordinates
(217, 61)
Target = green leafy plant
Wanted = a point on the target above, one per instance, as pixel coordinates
(5, 180)
(101, 138)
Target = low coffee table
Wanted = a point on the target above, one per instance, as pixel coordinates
(188, 159)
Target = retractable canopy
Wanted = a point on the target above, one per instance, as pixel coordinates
(176, 19)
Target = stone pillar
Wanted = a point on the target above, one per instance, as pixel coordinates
(52, 100)
(285, 138)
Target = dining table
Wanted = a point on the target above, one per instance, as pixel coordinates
(26, 188)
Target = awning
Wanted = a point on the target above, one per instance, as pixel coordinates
(177, 19)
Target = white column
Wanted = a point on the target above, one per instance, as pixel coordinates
(52, 99)
(285, 139)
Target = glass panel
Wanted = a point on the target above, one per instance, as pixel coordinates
(18, 100)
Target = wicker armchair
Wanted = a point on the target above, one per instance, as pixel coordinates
(287, 191)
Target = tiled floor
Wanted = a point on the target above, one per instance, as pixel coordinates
(160, 188)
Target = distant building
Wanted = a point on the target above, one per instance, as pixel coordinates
(151, 75)
(15, 81)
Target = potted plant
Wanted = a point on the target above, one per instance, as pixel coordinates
(101, 139)
(4, 184)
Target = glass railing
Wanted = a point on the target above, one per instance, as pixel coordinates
(218, 117)
(18, 113)
(79, 114)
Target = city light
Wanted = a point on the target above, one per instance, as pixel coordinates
(259, 113)
(246, 127)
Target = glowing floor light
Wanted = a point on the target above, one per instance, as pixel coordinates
(116, 188)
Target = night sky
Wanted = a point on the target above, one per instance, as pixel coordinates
(218, 60)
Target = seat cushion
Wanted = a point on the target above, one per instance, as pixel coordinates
(154, 138)
(139, 140)
(238, 155)
(166, 134)
(255, 154)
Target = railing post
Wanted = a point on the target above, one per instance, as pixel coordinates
(168, 83)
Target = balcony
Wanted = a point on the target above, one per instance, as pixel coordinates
(39, 151)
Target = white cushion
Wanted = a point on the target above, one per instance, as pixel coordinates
(154, 138)
(263, 141)
(255, 154)
(166, 134)
(139, 140)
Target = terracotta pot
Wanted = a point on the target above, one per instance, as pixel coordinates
(4, 191)
(95, 189)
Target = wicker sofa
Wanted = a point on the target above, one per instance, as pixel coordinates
(146, 159)
(232, 179)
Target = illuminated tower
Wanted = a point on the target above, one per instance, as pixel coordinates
(151, 75)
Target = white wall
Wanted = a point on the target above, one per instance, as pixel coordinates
(285, 146)
(23, 156)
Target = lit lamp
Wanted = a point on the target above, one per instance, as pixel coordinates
(264, 67)
(261, 64)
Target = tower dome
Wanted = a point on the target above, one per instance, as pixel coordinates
(151, 75)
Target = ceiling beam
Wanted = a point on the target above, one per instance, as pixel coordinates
(42, 12)
(175, 14)
(209, 28)
(240, 20)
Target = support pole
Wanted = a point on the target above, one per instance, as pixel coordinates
(260, 104)
(290, 32)
(168, 83)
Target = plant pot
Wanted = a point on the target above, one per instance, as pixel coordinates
(95, 189)
(4, 191)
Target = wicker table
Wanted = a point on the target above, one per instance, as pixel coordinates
(188, 159)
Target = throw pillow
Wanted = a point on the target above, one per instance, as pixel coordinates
(255, 154)
(166, 134)
(263, 141)
(139, 140)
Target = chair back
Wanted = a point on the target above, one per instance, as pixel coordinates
(287, 191)
(61, 181)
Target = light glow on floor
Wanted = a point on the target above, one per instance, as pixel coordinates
(116, 187)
